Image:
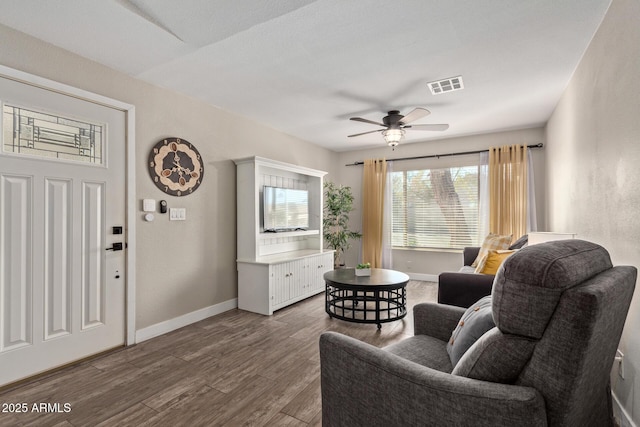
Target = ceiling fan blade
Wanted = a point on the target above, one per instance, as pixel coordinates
(358, 119)
(364, 133)
(414, 115)
(427, 127)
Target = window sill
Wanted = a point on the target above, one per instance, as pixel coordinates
(441, 250)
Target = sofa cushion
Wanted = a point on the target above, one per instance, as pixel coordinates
(424, 350)
(495, 357)
(492, 261)
(520, 243)
(475, 321)
(541, 273)
(492, 242)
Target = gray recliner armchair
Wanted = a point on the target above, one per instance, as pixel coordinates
(559, 309)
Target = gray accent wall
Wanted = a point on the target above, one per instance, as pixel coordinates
(593, 165)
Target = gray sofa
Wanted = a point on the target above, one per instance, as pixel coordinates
(463, 288)
(559, 309)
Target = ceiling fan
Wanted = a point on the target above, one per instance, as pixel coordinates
(395, 124)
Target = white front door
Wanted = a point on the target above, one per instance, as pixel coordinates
(62, 192)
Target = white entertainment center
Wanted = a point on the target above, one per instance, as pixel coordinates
(278, 269)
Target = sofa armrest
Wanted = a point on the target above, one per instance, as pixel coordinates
(463, 289)
(364, 385)
(436, 320)
(469, 254)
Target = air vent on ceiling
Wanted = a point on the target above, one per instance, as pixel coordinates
(446, 85)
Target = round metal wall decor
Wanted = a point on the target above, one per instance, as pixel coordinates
(176, 166)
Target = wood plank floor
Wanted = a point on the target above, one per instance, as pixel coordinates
(236, 368)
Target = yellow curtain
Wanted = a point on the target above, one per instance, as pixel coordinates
(508, 190)
(375, 178)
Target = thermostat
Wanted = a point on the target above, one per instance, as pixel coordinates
(148, 205)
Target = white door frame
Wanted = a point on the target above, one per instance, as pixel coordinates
(130, 130)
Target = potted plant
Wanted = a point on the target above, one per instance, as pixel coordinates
(338, 203)
(363, 269)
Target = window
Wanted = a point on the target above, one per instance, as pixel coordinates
(436, 208)
(41, 134)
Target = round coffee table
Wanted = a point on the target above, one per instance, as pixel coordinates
(379, 298)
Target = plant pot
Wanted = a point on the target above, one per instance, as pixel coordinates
(363, 272)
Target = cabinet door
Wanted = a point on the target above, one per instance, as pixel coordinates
(326, 265)
(302, 278)
(291, 277)
(310, 277)
(273, 286)
(297, 278)
(321, 264)
(286, 280)
(314, 269)
(280, 286)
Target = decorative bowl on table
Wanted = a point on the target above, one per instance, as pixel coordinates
(363, 269)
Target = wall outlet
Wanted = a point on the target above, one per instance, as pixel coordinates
(409, 265)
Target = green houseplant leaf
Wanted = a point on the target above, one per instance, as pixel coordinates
(338, 203)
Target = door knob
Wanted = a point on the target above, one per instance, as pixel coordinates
(117, 246)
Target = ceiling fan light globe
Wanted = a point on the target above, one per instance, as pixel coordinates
(393, 136)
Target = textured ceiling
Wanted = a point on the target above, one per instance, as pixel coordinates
(305, 66)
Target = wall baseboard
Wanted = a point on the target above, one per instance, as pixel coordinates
(423, 276)
(620, 414)
(184, 320)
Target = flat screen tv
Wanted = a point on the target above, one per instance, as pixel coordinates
(285, 209)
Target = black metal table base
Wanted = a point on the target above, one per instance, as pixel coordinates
(366, 306)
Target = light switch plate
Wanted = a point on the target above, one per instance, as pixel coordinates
(177, 214)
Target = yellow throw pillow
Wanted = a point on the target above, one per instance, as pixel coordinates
(493, 261)
(492, 242)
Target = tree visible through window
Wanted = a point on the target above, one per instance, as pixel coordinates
(435, 208)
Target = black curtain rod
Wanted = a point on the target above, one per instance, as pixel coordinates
(431, 156)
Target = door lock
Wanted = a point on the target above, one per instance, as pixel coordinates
(117, 246)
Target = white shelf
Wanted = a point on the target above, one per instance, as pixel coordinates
(253, 174)
(277, 269)
(289, 234)
(285, 256)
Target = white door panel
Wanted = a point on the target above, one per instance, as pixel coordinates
(57, 258)
(16, 248)
(63, 293)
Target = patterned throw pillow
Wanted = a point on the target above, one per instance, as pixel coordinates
(494, 259)
(492, 242)
(477, 320)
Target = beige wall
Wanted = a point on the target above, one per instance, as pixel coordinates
(421, 262)
(182, 266)
(593, 159)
